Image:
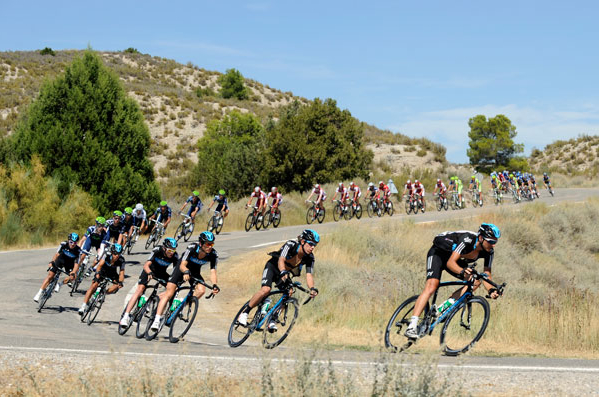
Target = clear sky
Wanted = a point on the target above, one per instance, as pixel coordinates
(422, 68)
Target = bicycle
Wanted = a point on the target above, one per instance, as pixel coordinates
(185, 229)
(497, 197)
(80, 275)
(155, 235)
(355, 209)
(410, 205)
(340, 210)
(420, 203)
(216, 222)
(95, 302)
(184, 310)
(387, 207)
(476, 198)
(455, 201)
(550, 189)
(442, 202)
(253, 220)
(47, 292)
(315, 212)
(372, 208)
(456, 337)
(273, 216)
(282, 312)
(131, 240)
(144, 316)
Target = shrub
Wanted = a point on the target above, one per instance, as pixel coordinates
(131, 50)
(232, 85)
(47, 51)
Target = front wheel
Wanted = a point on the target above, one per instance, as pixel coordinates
(45, 296)
(395, 340)
(150, 240)
(320, 214)
(439, 204)
(188, 232)
(95, 307)
(408, 207)
(389, 208)
(238, 333)
(249, 222)
(465, 326)
(183, 320)
(337, 212)
(370, 209)
(310, 215)
(146, 316)
(220, 223)
(276, 220)
(179, 232)
(358, 211)
(211, 224)
(283, 319)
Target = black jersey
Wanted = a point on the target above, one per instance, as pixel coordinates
(193, 262)
(160, 261)
(462, 242)
(119, 263)
(288, 251)
(68, 255)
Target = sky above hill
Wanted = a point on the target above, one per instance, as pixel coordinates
(419, 68)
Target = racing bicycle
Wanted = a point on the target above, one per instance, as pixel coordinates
(315, 212)
(185, 229)
(216, 222)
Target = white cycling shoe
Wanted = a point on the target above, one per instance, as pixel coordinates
(82, 309)
(125, 320)
(37, 296)
(243, 319)
(57, 288)
(156, 324)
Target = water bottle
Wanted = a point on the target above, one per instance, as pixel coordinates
(142, 301)
(176, 303)
(266, 305)
(97, 292)
(445, 305)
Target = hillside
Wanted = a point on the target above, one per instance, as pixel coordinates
(575, 156)
(178, 101)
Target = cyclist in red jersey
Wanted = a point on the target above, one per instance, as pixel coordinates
(260, 200)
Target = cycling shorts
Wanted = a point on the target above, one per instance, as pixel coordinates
(221, 207)
(177, 276)
(89, 243)
(108, 272)
(61, 264)
(436, 262)
(460, 189)
(271, 273)
(143, 277)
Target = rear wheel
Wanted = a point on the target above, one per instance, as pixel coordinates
(179, 232)
(283, 318)
(266, 220)
(389, 208)
(249, 222)
(347, 212)
(358, 211)
(95, 307)
(258, 221)
(184, 320)
(337, 212)
(310, 215)
(445, 203)
(238, 333)
(146, 316)
(370, 209)
(395, 340)
(465, 326)
(320, 214)
(188, 232)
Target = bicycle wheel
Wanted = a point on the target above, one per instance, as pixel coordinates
(465, 326)
(320, 215)
(238, 333)
(183, 320)
(439, 204)
(370, 209)
(395, 340)
(389, 208)
(211, 224)
(157, 238)
(348, 213)
(445, 204)
(150, 240)
(283, 317)
(266, 220)
(337, 212)
(188, 232)
(359, 211)
(46, 294)
(310, 215)
(276, 220)
(179, 232)
(78, 278)
(258, 221)
(408, 207)
(95, 307)
(249, 222)
(146, 316)
(423, 206)
(220, 221)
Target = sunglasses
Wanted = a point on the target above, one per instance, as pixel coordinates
(71, 242)
(209, 244)
(491, 241)
(311, 243)
(170, 250)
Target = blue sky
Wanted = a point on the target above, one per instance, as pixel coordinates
(419, 68)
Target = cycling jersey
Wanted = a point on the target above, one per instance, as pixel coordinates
(276, 197)
(221, 203)
(127, 223)
(355, 192)
(320, 194)
(546, 179)
(110, 270)
(372, 191)
(67, 257)
(159, 263)
(114, 230)
(194, 264)
(442, 188)
(409, 188)
(195, 203)
(93, 238)
(419, 188)
(343, 193)
(462, 242)
(288, 250)
(139, 218)
(163, 216)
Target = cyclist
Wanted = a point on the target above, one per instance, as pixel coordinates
(440, 186)
(476, 185)
(195, 205)
(385, 192)
(127, 224)
(533, 184)
(107, 267)
(260, 201)
(160, 259)
(515, 187)
(354, 193)
(162, 214)
(321, 196)
(409, 189)
(95, 236)
(193, 258)
(277, 198)
(495, 182)
(458, 186)
(419, 190)
(343, 195)
(452, 252)
(139, 220)
(290, 258)
(222, 205)
(546, 181)
(65, 258)
(115, 227)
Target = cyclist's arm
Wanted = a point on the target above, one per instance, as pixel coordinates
(213, 278)
(55, 257)
(168, 220)
(183, 268)
(121, 278)
(147, 267)
(452, 264)
(100, 264)
(183, 206)
(82, 241)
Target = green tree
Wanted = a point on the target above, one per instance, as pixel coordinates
(230, 155)
(87, 131)
(232, 85)
(315, 143)
(491, 142)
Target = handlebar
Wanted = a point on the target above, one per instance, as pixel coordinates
(205, 284)
(484, 276)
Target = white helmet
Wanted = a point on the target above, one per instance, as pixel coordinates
(257, 189)
(274, 189)
(139, 207)
(409, 181)
(370, 184)
(316, 186)
(340, 184)
(416, 182)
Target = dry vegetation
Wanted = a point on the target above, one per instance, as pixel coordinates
(578, 156)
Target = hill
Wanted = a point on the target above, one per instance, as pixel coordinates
(178, 101)
(575, 156)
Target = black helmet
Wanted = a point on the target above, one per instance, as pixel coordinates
(490, 232)
(206, 237)
(170, 243)
(310, 236)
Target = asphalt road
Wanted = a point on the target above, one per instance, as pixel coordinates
(57, 329)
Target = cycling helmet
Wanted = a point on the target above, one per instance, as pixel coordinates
(163, 203)
(490, 232)
(409, 181)
(371, 184)
(438, 180)
(473, 177)
(206, 237)
(273, 189)
(128, 210)
(116, 249)
(74, 237)
(544, 174)
(416, 182)
(139, 207)
(257, 189)
(170, 243)
(101, 221)
(316, 186)
(340, 184)
(117, 213)
(310, 236)
(381, 183)
(196, 193)
(221, 192)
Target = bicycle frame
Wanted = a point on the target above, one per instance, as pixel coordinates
(181, 305)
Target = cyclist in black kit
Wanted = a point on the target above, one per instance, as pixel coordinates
(452, 252)
(292, 256)
(66, 258)
(162, 257)
(193, 258)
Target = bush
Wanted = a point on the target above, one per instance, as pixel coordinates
(232, 85)
(47, 51)
(131, 50)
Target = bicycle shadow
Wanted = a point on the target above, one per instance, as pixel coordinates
(59, 309)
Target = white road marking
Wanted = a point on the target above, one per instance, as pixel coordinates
(270, 243)
(290, 360)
